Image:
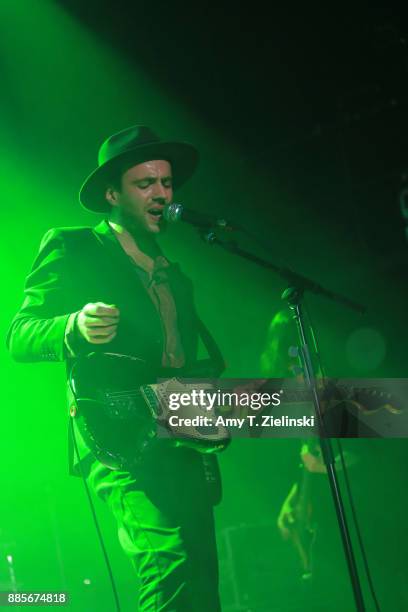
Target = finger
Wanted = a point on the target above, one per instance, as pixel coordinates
(101, 340)
(108, 309)
(107, 312)
(100, 321)
(99, 308)
(101, 331)
(90, 309)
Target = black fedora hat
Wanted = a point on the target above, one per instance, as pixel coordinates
(135, 145)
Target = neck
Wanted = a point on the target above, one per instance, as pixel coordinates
(142, 241)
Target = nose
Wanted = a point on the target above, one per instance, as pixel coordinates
(161, 194)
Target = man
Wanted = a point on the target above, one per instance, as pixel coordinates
(111, 288)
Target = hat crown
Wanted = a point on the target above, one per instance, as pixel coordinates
(126, 140)
(135, 145)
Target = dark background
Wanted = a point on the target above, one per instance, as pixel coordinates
(315, 95)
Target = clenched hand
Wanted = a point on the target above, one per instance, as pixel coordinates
(97, 322)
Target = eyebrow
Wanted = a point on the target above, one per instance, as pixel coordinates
(152, 178)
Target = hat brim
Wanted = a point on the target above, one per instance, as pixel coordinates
(182, 156)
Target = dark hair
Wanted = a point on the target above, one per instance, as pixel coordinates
(114, 178)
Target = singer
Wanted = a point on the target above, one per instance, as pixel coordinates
(111, 289)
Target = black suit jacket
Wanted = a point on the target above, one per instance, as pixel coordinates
(76, 266)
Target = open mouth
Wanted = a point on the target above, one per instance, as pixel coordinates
(156, 213)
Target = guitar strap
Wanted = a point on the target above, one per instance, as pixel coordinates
(215, 364)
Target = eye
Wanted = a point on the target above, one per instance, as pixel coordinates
(143, 184)
(168, 183)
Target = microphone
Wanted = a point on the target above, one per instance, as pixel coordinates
(177, 212)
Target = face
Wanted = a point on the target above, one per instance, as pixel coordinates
(146, 189)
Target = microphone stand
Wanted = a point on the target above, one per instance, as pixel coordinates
(293, 294)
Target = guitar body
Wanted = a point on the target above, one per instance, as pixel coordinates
(115, 419)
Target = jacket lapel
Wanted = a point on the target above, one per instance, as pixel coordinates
(105, 235)
(127, 270)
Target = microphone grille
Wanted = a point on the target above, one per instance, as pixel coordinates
(173, 212)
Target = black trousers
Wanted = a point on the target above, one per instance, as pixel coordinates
(166, 526)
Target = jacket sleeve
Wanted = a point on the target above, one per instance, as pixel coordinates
(37, 331)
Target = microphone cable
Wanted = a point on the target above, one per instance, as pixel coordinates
(95, 520)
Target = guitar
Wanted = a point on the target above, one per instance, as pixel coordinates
(122, 411)
(368, 403)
